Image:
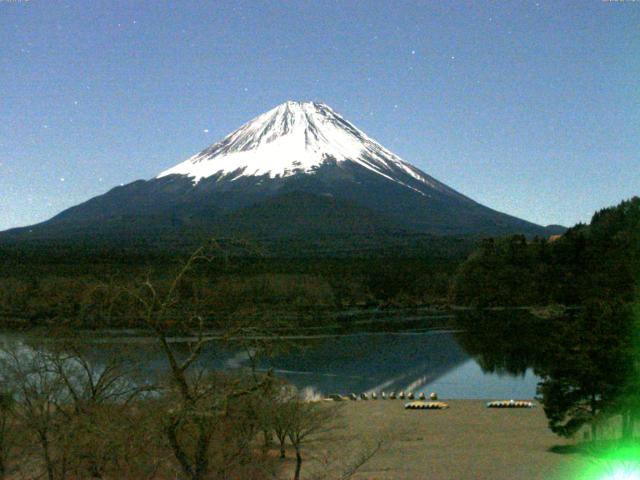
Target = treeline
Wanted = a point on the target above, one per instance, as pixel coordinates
(42, 284)
(599, 260)
(49, 287)
(588, 358)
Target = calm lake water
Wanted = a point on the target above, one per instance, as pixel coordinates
(409, 354)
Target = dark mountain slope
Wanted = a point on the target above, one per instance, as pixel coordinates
(296, 171)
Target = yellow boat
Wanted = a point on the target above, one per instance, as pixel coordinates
(510, 404)
(419, 405)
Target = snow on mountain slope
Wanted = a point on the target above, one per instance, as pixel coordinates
(298, 171)
(292, 138)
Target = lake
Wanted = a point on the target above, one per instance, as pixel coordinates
(418, 353)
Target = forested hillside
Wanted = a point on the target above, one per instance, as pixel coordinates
(599, 260)
(50, 284)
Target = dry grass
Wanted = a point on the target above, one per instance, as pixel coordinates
(467, 441)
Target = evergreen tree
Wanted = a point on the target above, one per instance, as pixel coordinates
(588, 364)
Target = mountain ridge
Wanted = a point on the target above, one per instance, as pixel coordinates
(297, 147)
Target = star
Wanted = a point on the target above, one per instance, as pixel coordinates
(62, 179)
(413, 52)
(206, 130)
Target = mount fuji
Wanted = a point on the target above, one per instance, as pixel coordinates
(299, 170)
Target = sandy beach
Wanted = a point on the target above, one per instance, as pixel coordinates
(466, 441)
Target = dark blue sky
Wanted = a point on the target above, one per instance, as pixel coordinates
(532, 108)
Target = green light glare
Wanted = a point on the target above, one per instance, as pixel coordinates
(623, 474)
(621, 462)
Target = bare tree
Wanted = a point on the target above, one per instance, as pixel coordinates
(307, 421)
(39, 392)
(276, 415)
(361, 458)
(199, 404)
(95, 404)
(7, 430)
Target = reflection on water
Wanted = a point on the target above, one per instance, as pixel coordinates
(504, 342)
(488, 356)
(359, 363)
(470, 382)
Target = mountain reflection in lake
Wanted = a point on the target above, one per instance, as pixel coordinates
(477, 356)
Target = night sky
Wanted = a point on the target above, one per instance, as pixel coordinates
(531, 108)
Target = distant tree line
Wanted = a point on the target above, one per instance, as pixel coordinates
(596, 261)
(50, 285)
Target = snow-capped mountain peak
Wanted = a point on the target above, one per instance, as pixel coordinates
(292, 138)
(299, 171)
